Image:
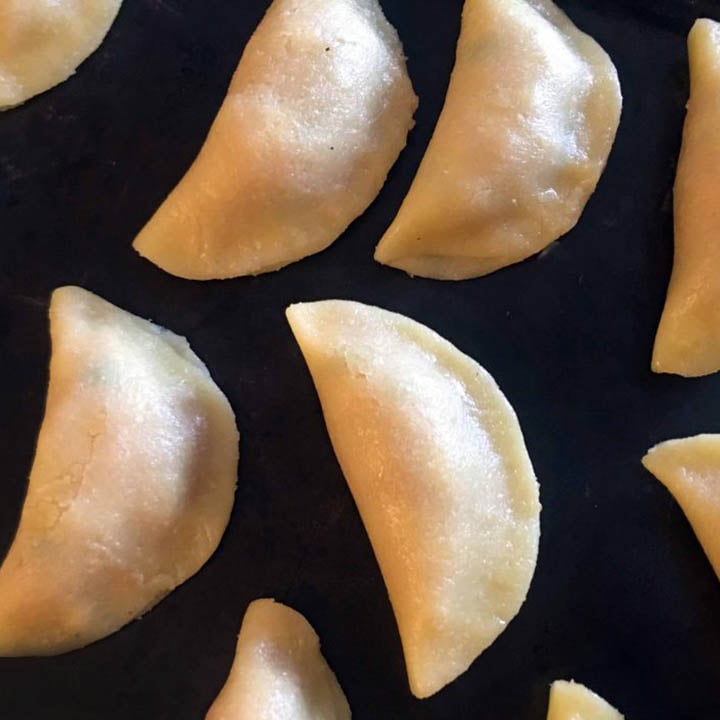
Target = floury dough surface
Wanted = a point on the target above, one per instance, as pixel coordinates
(529, 121)
(316, 115)
(42, 42)
(132, 484)
(437, 464)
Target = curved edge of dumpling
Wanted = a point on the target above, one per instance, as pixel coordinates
(132, 484)
(572, 701)
(444, 633)
(279, 671)
(56, 41)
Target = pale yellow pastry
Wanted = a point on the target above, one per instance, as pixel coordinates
(690, 470)
(132, 483)
(572, 701)
(437, 464)
(279, 672)
(316, 115)
(529, 120)
(42, 42)
(688, 339)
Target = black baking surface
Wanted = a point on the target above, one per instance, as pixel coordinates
(623, 599)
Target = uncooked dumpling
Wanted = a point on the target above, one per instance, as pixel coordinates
(316, 115)
(42, 42)
(279, 673)
(688, 339)
(572, 701)
(528, 124)
(436, 461)
(132, 484)
(690, 470)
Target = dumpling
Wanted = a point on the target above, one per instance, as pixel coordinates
(690, 470)
(688, 339)
(436, 461)
(279, 672)
(132, 484)
(529, 121)
(42, 42)
(316, 115)
(572, 701)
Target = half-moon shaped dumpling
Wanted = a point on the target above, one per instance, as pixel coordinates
(132, 484)
(437, 464)
(316, 115)
(688, 339)
(690, 470)
(42, 42)
(529, 120)
(572, 701)
(279, 672)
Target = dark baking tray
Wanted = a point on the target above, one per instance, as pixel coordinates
(623, 599)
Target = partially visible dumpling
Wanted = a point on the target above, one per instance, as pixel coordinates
(279, 672)
(436, 461)
(316, 115)
(42, 42)
(529, 120)
(690, 469)
(132, 484)
(572, 701)
(688, 338)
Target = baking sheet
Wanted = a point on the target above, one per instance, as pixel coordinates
(623, 599)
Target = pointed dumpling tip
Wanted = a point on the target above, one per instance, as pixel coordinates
(573, 701)
(690, 469)
(279, 671)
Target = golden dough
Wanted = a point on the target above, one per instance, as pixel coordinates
(437, 464)
(279, 673)
(42, 42)
(132, 484)
(529, 121)
(316, 115)
(688, 339)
